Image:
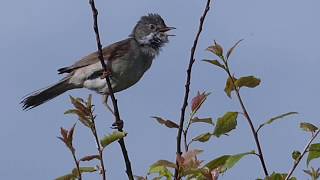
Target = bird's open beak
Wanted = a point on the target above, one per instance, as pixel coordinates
(165, 29)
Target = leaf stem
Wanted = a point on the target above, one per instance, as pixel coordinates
(100, 150)
(247, 116)
(114, 100)
(305, 150)
(187, 85)
(77, 163)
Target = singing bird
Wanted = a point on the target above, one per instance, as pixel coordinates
(127, 61)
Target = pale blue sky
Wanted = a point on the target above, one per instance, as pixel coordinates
(281, 47)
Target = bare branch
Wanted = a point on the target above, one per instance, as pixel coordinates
(247, 116)
(114, 100)
(188, 82)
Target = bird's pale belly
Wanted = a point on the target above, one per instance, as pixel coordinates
(122, 78)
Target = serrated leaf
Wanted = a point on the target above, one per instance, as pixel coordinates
(202, 120)
(90, 157)
(232, 48)
(115, 136)
(314, 152)
(308, 127)
(226, 123)
(167, 123)
(277, 118)
(215, 62)
(295, 155)
(203, 137)
(232, 160)
(164, 163)
(229, 86)
(218, 162)
(247, 81)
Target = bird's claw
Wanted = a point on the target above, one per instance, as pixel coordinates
(105, 74)
(117, 125)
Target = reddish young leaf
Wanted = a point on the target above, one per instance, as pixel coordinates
(198, 101)
(167, 123)
(64, 133)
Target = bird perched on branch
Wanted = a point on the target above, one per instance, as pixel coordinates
(127, 61)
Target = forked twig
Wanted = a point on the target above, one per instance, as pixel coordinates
(188, 82)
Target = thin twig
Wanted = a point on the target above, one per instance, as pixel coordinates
(187, 85)
(296, 162)
(247, 116)
(111, 93)
(100, 150)
(77, 164)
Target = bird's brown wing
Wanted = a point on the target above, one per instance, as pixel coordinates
(110, 53)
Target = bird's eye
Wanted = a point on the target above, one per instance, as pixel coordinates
(152, 27)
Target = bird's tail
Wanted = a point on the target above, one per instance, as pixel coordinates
(43, 95)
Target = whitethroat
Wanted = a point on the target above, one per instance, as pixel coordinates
(127, 61)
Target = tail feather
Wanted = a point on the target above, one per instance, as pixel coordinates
(39, 97)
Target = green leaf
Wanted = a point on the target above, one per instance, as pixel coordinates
(308, 127)
(167, 123)
(226, 123)
(232, 48)
(74, 175)
(278, 176)
(216, 49)
(314, 152)
(203, 137)
(203, 120)
(87, 169)
(115, 136)
(277, 118)
(164, 163)
(247, 81)
(215, 62)
(67, 177)
(162, 171)
(218, 162)
(232, 160)
(229, 86)
(295, 155)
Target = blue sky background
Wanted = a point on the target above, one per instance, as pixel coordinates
(281, 47)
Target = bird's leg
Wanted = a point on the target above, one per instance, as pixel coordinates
(105, 102)
(117, 124)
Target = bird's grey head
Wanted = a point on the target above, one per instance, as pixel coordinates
(151, 31)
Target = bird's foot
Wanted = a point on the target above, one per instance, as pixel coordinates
(106, 73)
(117, 125)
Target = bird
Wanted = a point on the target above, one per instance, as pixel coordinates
(127, 61)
